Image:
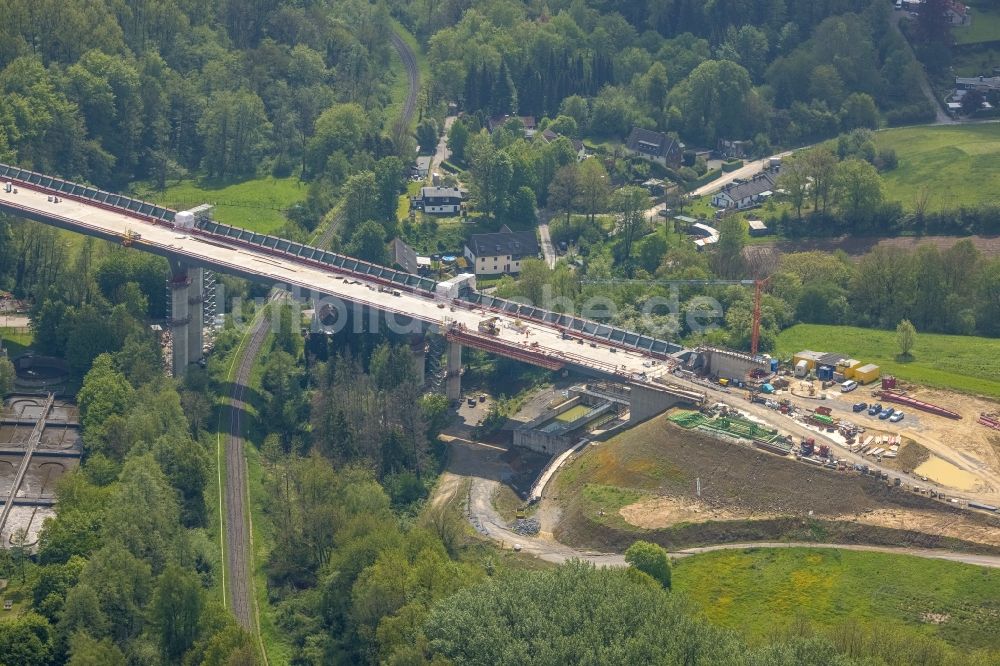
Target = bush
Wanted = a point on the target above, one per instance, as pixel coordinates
(731, 165)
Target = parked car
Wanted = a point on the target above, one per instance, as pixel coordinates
(897, 417)
(886, 413)
(860, 406)
(875, 409)
(848, 386)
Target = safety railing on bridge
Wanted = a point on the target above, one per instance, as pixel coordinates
(585, 328)
(86, 193)
(315, 255)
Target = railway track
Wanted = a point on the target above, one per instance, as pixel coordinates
(237, 580)
(237, 577)
(413, 74)
(409, 59)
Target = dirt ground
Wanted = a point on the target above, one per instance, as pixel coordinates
(963, 443)
(740, 483)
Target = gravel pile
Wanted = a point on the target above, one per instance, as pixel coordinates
(526, 526)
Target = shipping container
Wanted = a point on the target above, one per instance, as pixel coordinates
(867, 373)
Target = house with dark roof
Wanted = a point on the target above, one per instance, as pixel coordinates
(501, 252)
(548, 136)
(446, 200)
(527, 122)
(655, 146)
(747, 193)
(984, 84)
(404, 257)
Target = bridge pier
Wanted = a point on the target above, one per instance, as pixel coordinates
(418, 347)
(196, 309)
(453, 384)
(186, 315)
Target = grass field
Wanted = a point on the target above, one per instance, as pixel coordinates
(956, 165)
(258, 204)
(758, 591)
(16, 343)
(985, 24)
(963, 363)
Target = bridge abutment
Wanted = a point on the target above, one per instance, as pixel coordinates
(645, 402)
(453, 384)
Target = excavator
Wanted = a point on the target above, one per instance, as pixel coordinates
(129, 237)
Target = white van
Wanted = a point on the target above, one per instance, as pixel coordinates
(848, 386)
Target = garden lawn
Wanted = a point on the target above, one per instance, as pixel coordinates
(258, 204)
(985, 24)
(955, 165)
(963, 363)
(758, 591)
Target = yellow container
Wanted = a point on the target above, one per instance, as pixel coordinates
(867, 373)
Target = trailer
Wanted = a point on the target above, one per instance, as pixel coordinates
(895, 396)
(983, 507)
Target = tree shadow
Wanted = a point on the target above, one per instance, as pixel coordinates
(905, 358)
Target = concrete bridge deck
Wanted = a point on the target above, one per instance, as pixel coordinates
(544, 343)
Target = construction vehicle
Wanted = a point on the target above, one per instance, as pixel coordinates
(129, 237)
(490, 326)
(824, 450)
(807, 446)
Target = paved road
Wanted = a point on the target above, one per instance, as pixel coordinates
(547, 248)
(441, 154)
(745, 171)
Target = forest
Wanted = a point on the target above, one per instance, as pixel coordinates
(361, 568)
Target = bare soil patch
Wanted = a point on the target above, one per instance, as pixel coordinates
(746, 494)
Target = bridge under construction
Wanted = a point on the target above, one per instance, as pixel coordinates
(192, 243)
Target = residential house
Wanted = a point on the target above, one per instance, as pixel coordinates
(405, 258)
(445, 200)
(958, 14)
(501, 252)
(422, 168)
(655, 146)
(747, 193)
(984, 84)
(527, 122)
(548, 136)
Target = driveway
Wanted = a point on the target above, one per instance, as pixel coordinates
(547, 249)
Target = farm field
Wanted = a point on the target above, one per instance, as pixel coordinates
(758, 591)
(257, 204)
(963, 363)
(955, 165)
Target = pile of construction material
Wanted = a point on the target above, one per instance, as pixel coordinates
(526, 526)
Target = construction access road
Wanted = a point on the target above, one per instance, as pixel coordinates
(481, 464)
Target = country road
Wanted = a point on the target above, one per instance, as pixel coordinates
(485, 519)
(484, 466)
(940, 117)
